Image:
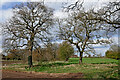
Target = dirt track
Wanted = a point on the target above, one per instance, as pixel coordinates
(15, 74)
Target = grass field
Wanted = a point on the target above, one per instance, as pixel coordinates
(91, 67)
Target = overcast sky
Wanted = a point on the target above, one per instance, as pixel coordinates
(6, 13)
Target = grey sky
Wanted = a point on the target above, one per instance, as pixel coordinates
(56, 4)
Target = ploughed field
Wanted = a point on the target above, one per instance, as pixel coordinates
(91, 68)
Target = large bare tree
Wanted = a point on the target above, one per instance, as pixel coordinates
(81, 32)
(109, 14)
(28, 27)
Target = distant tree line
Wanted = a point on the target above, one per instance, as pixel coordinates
(113, 52)
(51, 52)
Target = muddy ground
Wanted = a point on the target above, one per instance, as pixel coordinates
(18, 74)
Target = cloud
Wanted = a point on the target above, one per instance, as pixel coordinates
(0, 50)
(98, 46)
(115, 39)
(101, 50)
(5, 14)
(60, 14)
(0, 44)
(4, 1)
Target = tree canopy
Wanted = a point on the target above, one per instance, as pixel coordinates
(29, 26)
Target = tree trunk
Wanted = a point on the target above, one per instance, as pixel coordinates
(66, 59)
(81, 53)
(31, 57)
(30, 61)
(80, 58)
(31, 49)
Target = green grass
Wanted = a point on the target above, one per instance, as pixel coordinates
(91, 67)
(94, 60)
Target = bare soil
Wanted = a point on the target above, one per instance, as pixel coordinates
(18, 74)
(6, 63)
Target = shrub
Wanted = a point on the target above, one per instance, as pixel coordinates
(65, 51)
(112, 54)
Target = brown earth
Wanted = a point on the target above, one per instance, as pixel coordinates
(18, 74)
(5, 63)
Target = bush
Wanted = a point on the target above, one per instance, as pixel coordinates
(65, 51)
(48, 53)
(112, 54)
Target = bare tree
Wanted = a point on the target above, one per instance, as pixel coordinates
(29, 26)
(81, 32)
(109, 14)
